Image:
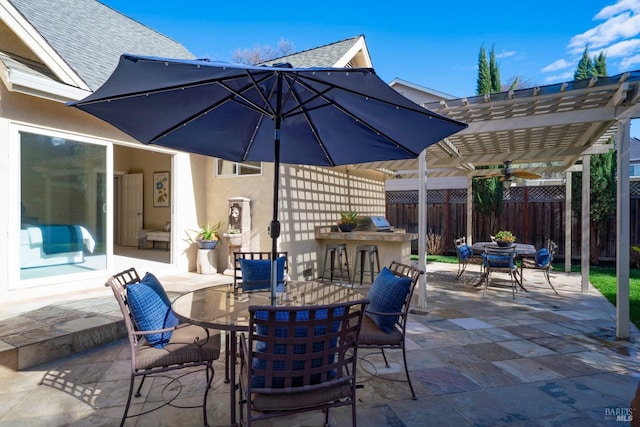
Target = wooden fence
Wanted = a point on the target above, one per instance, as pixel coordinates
(533, 214)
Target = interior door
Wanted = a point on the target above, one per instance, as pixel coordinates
(132, 208)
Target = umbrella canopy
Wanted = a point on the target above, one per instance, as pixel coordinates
(311, 116)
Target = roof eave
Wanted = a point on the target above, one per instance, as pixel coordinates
(29, 84)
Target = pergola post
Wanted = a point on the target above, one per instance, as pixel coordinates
(585, 253)
(422, 230)
(622, 230)
(567, 222)
(469, 209)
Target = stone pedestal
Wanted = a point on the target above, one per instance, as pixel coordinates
(234, 243)
(206, 262)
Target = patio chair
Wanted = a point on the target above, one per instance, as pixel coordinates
(158, 343)
(543, 262)
(465, 255)
(385, 323)
(252, 270)
(252, 273)
(299, 358)
(497, 259)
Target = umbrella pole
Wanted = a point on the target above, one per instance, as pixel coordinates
(274, 227)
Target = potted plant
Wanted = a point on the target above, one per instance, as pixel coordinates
(347, 221)
(505, 238)
(207, 236)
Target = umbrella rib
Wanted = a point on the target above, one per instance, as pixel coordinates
(304, 111)
(233, 95)
(419, 110)
(247, 103)
(339, 107)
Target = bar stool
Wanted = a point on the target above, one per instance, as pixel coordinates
(333, 251)
(370, 251)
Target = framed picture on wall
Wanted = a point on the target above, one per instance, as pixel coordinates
(161, 189)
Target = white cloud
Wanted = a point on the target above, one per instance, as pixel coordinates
(630, 62)
(618, 27)
(621, 49)
(612, 10)
(506, 54)
(563, 77)
(560, 64)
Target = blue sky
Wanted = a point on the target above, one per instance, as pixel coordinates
(432, 44)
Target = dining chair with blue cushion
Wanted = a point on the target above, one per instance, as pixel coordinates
(252, 273)
(385, 322)
(297, 359)
(542, 262)
(253, 270)
(157, 341)
(498, 259)
(465, 255)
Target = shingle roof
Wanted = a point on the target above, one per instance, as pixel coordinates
(323, 56)
(91, 36)
(634, 149)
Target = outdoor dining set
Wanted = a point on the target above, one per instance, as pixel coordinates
(495, 256)
(296, 353)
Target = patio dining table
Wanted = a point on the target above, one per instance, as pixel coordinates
(522, 250)
(220, 307)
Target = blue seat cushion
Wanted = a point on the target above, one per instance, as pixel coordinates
(258, 381)
(498, 261)
(256, 273)
(543, 257)
(464, 252)
(151, 309)
(387, 295)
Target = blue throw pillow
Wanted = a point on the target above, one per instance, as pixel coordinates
(151, 309)
(543, 257)
(387, 295)
(258, 381)
(256, 273)
(464, 252)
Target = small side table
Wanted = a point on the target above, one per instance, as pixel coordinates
(206, 262)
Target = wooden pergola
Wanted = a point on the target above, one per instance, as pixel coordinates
(559, 126)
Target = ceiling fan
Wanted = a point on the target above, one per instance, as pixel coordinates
(507, 172)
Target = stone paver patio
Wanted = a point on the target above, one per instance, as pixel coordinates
(539, 360)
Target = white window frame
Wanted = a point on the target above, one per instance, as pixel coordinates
(237, 168)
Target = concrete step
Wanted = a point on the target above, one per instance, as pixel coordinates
(40, 330)
(42, 334)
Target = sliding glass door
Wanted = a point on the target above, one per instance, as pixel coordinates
(63, 205)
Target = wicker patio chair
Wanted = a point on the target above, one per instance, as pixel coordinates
(384, 326)
(158, 343)
(299, 359)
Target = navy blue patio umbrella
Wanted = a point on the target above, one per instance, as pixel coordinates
(280, 114)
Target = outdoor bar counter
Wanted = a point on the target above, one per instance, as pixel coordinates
(392, 246)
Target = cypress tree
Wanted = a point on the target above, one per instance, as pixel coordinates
(483, 84)
(585, 66)
(600, 65)
(602, 172)
(488, 193)
(494, 72)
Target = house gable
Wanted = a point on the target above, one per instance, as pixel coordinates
(78, 41)
(348, 53)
